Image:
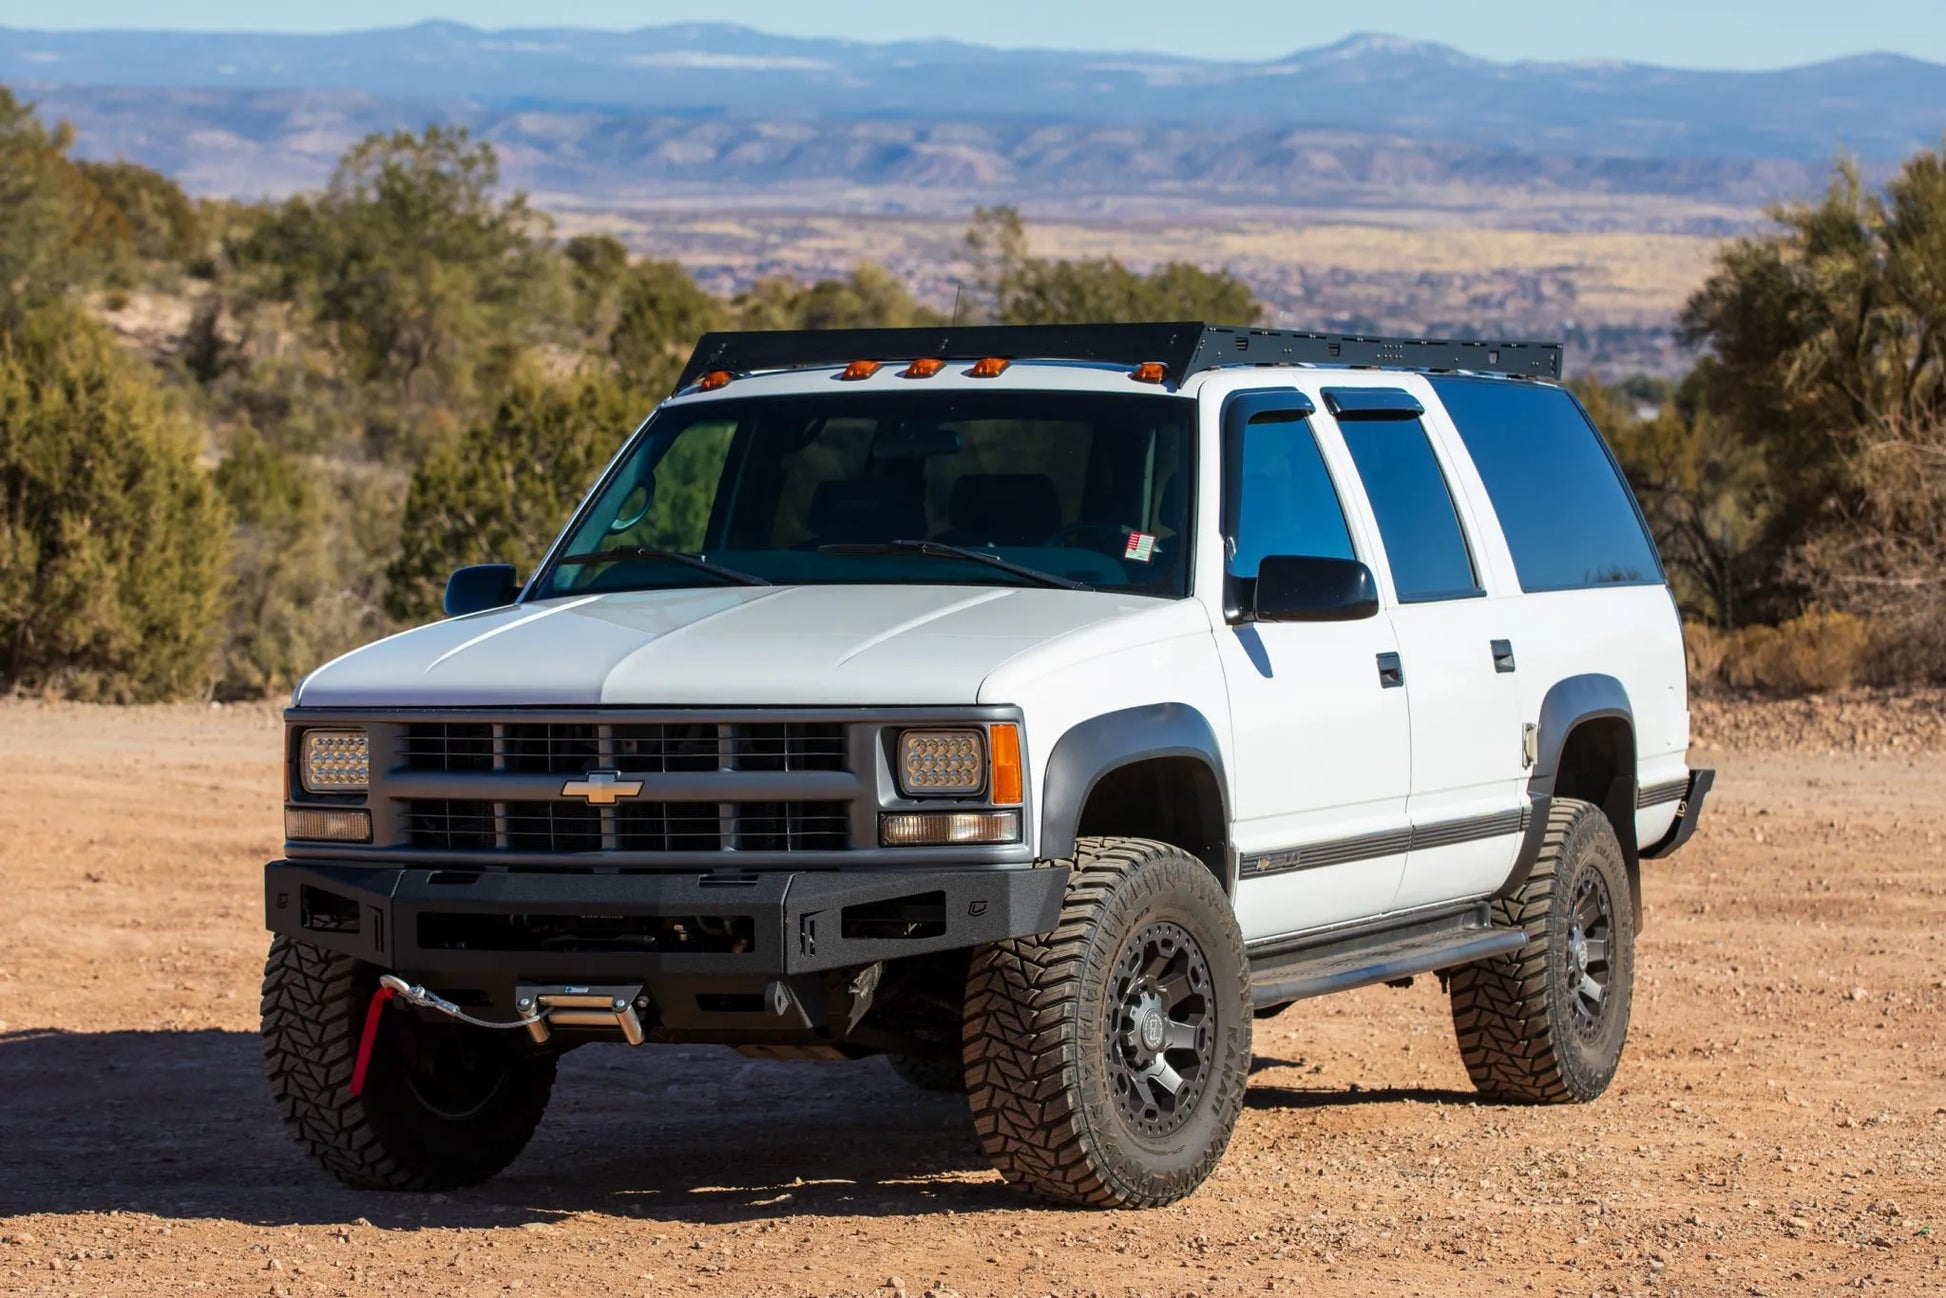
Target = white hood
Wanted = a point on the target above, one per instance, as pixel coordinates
(727, 646)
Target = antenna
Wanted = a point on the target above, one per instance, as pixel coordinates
(959, 291)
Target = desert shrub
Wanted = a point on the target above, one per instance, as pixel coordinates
(163, 224)
(1828, 341)
(1016, 288)
(112, 537)
(305, 566)
(1811, 653)
(506, 487)
(57, 230)
(1707, 649)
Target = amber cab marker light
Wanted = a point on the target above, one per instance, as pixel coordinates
(859, 370)
(1151, 372)
(990, 368)
(924, 368)
(1004, 743)
(713, 380)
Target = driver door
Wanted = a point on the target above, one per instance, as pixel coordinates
(1320, 733)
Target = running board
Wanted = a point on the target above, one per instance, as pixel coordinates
(1279, 979)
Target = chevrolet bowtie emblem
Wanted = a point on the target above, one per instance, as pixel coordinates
(602, 788)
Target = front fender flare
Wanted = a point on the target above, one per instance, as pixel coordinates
(1103, 744)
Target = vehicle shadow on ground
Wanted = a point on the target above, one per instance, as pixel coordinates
(1263, 1096)
(180, 1124)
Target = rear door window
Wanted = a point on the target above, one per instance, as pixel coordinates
(1568, 516)
(1424, 543)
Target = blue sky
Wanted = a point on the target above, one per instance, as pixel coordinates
(1691, 33)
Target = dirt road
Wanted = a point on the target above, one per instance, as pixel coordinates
(1779, 1125)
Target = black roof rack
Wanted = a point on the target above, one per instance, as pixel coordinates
(1186, 348)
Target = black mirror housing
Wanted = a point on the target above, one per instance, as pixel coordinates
(1304, 588)
(479, 588)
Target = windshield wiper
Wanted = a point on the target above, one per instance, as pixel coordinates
(623, 553)
(945, 551)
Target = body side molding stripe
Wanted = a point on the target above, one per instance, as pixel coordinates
(1391, 842)
(1655, 795)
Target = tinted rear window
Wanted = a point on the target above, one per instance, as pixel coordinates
(1567, 514)
(1424, 545)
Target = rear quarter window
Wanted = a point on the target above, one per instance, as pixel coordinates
(1568, 516)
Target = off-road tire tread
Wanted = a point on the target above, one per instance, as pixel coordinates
(1500, 1005)
(1019, 1048)
(313, 1018)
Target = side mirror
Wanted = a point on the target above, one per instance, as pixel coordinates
(1302, 588)
(479, 588)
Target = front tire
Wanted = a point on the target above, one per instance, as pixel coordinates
(444, 1105)
(1547, 1023)
(1106, 1061)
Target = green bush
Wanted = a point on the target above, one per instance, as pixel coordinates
(112, 537)
(1809, 654)
(501, 493)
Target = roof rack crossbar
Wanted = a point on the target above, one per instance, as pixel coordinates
(1185, 347)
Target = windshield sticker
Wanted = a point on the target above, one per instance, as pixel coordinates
(1141, 547)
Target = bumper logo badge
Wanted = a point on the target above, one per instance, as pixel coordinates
(602, 788)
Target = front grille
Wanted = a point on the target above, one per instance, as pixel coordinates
(656, 748)
(801, 777)
(568, 828)
(452, 824)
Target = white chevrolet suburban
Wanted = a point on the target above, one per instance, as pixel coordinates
(1032, 706)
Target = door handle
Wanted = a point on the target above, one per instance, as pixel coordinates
(1503, 656)
(1391, 672)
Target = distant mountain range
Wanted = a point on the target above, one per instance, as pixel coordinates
(1880, 106)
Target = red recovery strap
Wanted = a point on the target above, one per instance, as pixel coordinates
(367, 1039)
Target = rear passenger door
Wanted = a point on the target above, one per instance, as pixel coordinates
(1455, 651)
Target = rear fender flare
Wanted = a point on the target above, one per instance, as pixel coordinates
(1572, 702)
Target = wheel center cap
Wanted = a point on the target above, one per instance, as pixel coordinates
(1152, 1031)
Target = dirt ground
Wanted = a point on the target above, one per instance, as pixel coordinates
(1779, 1125)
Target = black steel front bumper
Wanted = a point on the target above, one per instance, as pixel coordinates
(494, 927)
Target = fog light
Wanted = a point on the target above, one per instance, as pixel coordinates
(943, 828)
(941, 761)
(327, 825)
(336, 761)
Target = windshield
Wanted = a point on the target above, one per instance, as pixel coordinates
(1078, 487)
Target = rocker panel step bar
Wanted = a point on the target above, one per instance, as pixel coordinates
(1278, 978)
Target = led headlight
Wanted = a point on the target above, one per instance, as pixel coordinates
(933, 762)
(336, 761)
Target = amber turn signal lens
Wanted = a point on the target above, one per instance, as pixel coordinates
(990, 368)
(924, 369)
(1151, 372)
(1003, 742)
(859, 370)
(713, 380)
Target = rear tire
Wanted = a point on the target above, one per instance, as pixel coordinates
(1106, 1061)
(444, 1105)
(1547, 1023)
